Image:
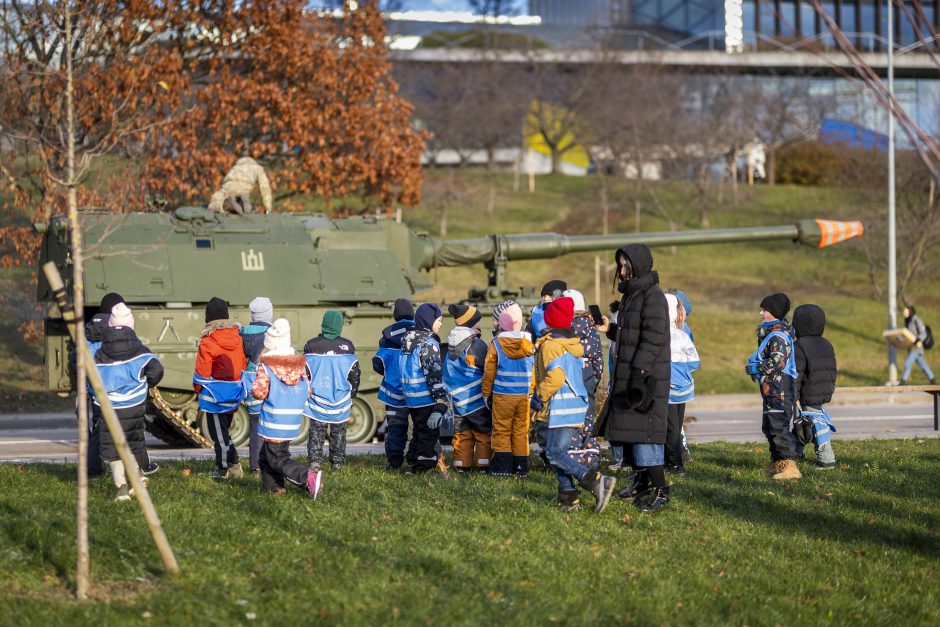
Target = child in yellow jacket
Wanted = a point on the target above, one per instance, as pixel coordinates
(562, 400)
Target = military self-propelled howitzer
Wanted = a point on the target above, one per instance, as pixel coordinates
(168, 265)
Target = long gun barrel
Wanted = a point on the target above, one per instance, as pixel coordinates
(501, 248)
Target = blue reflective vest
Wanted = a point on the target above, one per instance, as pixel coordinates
(249, 401)
(464, 383)
(93, 347)
(125, 381)
(537, 320)
(568, 406)
(790, 368)
(217, 396)
(330, 398)
(390, 390)
(414, 382)
(513, 376)
(282, 411)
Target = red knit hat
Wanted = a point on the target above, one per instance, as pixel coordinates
(559, 313)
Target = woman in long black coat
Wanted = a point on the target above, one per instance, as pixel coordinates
(635, 414)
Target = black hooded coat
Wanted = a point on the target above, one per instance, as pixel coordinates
(815, 357)
(641, 334)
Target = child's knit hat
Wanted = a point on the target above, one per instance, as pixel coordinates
(464, 315)
(261, 310)
(559, 313)
(121, 316)
(277, 339)
(511, 318)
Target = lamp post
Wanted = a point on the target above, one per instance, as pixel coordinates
(892, 236)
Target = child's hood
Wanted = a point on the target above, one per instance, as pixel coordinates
(809, 320)
(393, 334)
(287, 368)
(516, 344)
(226, 333)
(459, 339)
(561, 342)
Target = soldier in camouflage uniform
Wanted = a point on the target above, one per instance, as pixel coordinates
(235, 194)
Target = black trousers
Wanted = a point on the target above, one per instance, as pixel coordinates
(276, 465)
(775, 424)
(254, 441)
(674, 434)
(318, 433)
(424, 444)
(225, 453)
(94, 463)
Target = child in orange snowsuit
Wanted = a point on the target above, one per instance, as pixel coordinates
(508, 380)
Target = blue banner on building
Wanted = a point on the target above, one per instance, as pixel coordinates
(834, 131)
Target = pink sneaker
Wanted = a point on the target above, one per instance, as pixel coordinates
(314, 483)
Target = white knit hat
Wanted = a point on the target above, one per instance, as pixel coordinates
(673, 301)
(261, 310)
(578, 299)
(277, 339)
(121, 316)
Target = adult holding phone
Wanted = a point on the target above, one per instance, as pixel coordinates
(636, 409)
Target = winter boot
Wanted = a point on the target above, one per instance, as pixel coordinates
(658, 500)
(314, 483)
(932, 381)
(150, 469)
(502, 465)
(122, 494)
(235, 471)
(787, 469)
(569, 500)
(520, 465)
(601, 487)
(640, 487)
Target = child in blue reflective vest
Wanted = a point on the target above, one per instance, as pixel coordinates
(127, 369)
(685, 361)
(773, 366)
(334, 382)
(385, 363)
(463, 378)
(283, 385)
(561, 399)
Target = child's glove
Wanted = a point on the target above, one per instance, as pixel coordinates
(437, 414)
(641, 390)
(536, 403)
(751, 370)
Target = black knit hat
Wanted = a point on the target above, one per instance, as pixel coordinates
(554, 288)
(217, 309)
(464, 315)
(777, 304)
(108, 301)
(403, 310)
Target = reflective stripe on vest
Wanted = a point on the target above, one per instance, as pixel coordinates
(513, 375)
(282, 411)
(569, 404)
(413, 381)
(249, 401)
(464, 383)
(790, 368)
(330, 398)
(125, 382)
(390, 390)
(219, 397)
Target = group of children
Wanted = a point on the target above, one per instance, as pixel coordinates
(538, 380)
(796, 369)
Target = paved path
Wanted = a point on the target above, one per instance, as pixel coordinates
(730, 418)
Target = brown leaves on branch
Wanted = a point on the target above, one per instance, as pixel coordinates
(308, 95)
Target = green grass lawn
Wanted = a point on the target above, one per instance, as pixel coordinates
(858, 545)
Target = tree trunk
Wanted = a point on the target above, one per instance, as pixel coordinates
(556, 160)
(78, 304)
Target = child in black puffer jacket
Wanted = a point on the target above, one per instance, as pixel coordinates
(816, 378)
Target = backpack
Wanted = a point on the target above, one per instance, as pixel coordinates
(928, 341)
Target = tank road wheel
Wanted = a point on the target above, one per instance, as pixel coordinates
(362, 423)
(238, 431)
(301, 440)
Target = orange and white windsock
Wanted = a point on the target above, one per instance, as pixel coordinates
(835, 231)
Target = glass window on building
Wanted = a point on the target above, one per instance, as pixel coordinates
(750, 28)
(808, 20)
(869, 27)
(788, 19)
(830, 9)
(768, 16)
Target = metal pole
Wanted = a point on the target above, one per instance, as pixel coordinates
(892, 235)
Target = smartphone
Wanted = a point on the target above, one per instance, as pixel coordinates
(596, 314)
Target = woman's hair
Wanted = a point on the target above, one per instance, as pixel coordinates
(911, 311)
(625, 261)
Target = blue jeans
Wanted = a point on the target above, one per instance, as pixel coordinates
(616, 453)
(567, 469)
(916, 355)
(396, 434)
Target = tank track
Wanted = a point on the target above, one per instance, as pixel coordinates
(170, 426)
